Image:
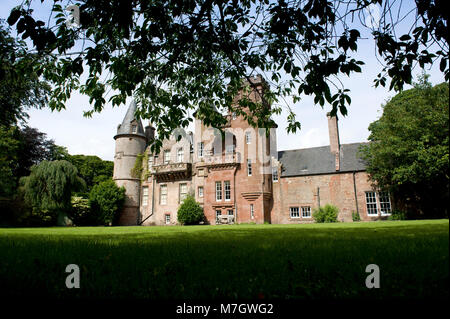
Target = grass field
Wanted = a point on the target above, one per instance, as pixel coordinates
(238, 261)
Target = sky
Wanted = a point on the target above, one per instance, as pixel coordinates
(94, 136)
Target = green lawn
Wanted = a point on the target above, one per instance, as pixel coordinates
(238, 261)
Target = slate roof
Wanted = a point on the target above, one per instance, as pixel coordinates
(319, 160)
(125, 127)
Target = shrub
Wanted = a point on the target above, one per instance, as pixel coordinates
(106, 199)
(356, 217)
(190, 212)
(397, 215)
(326, 214)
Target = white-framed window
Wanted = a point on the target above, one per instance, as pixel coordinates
(134, 129)
(371, 203)
(294, 212)
(163, 194)
(248, 137)
(218, 214)
(227, 187)
(218, 191)
(200, 191)
(252, 211)
(167, 218)
(385, 203)
(180, 155)
(144, 196)
(201, 147)
(150, 161)
(183, 192)
(249, 167)
(275, 174)
(166, 156)
(229, 149)
(306, 212)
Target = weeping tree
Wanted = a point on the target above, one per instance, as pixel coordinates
(48, 189)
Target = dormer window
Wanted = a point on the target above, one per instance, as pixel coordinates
(166, 156)
(134, 129)
(248, 138)
(180, 155)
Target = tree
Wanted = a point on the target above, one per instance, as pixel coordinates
(49, 187)
(35, 147)
(20, 86)
(80, 213)
(92, 169)
(106, 199)
(408, 154)
(20, 149)
(190, 212)
(179, 56)
(9, 146)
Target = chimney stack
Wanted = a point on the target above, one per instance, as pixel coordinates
(149, 133)
(334, 139)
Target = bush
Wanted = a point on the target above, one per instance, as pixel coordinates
(106, 200)
(190, 212)
(397, 215)
(326, 214)
(356, 217)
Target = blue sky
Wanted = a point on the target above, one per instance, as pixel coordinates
(94, 136)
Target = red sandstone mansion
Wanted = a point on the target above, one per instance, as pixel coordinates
(241, 178)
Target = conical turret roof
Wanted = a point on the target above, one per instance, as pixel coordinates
(131, 124)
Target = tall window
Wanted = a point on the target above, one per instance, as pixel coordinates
(180, 155)
(252, 211)
(200, 191)
(150, 161)
(218, 214)
(200, 149)
(145, 196)
(227, 190)
(167, 217)
(233, 115)
(275, 174)
(385, 203)
(133, 129)
(378, 202)
(183, 192)
(166, 156)
(371, 203)
(248, 138)
(249, 167)
(163, 195)
(294, 212)
(306, 212)
(218, 191)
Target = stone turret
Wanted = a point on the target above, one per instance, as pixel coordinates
(131, 140)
